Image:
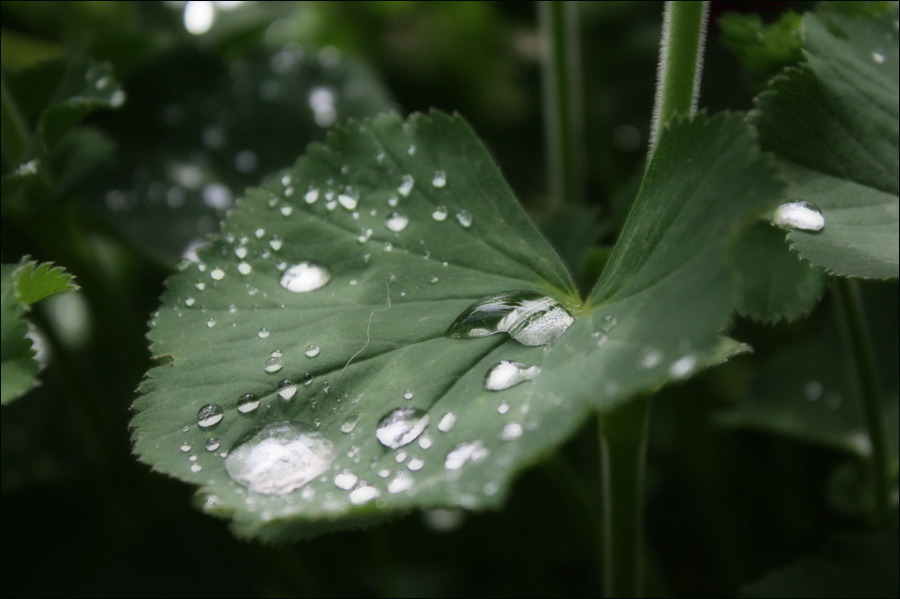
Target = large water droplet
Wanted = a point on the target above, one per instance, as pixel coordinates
(803, 216)
(459, 456)
(210, 415)
(507, 374)
(396, 222)
(530, 318)
(247, 403)
(401, 427)
(305, 276)
(279, 458)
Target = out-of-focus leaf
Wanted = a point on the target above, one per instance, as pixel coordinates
(763, 49)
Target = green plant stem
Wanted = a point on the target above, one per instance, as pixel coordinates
(563, 107)
(680, 64)
(862, 358)
(623, 446)
(15, 134)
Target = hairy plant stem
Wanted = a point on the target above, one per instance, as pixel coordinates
(623, 446)
(563, 106)
(680, 64)
(862, 359)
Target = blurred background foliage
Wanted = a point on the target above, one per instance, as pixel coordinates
(131, 128)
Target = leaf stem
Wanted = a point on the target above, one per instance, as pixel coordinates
(623, 447)
(862, 358)
(563, 107)
(680, 64)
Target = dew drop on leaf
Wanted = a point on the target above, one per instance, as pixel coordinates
(459, 456)
(465, 218)
(212, 444)
(364, 494)
(511, 431)
(402, 481)
(439, 214)
(448, 421)
(279, 458)
(305, 276)
(802, 216)
(439, 179)
(396, 222)
(507, 374)
(287, 389)
(210, 415)
(345, 480)
(348, 425)
(401, 427)
(406, 186)
(247, 403)
(529, 318)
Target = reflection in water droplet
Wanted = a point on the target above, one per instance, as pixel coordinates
(402, 481)
(439, 179)
(448, 421)
(464, 218)
(312, 351)
(459, 456)
(440, 213)
(406, 186)
(507, 374)
(287, 389)
(210, 415)
(363, 495)
(345, 480)
(247, 403)
(401, 427)
(396, 222)
(279, 458)
(529, 318)
(802, 216)
(305, 276)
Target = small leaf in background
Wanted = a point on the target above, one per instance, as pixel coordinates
(834, 121)
(763, 49)
(22, 285)
(773, 283)
(860, 564)
(344, 321)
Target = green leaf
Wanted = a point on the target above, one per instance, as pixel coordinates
(834, 120)
(24, 284)
(763, 49)
(19, 366)
(36, 281)
(772, 282)
(380, 323)
(859, 564)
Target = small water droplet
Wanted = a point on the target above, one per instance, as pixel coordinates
(411, 150)
(416, 464)
(439, 179)
(401, 427)
(260, 233)
(465, 218)
(649, 357)
(185, 447)
(507, 374)
(802, 216)
(279, 458)
(439, 214)
(364, 495)
(210, 415)
(312, 351)
(273, 364)
(402, 481)
(425, 442)
(287, 389)
(247, 403)
(470, 451)
(408, 394)
(307, 379)
(406, 186)
(189, 301)
(217, 273)
(878, 58)
(396, 222)
(287, 210)
(241, 251)
(448, 421)
(311, 196)
(345, 480)
(683, 367)
(305, 276)
(263, 333)
(349, 199)
(196, 468)
(349, 424)
(529, 318)
(244, 268)
(276, 243)
(211, 323)
(212, 444)
(511, 431)
(609, 323)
